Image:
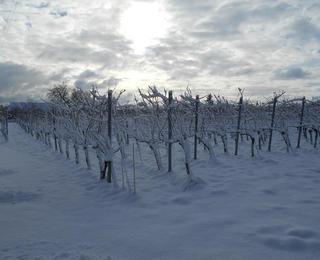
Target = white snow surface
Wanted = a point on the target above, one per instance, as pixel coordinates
(267, 207)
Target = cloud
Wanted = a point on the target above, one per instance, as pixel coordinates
(230, 19)
(214, 40)
(59, 14)
(19, 83)
(82, 84)
(225, 21)
(304, 30)
(16, 77)
(76, 53)
(110, 82)
(87, 74)
(106, 83)
(291, 74)
(225, 44)
(110, 50)
(181, 60)
(60, 75)
(41, 5)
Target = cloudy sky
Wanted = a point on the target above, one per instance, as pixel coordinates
(210, 46)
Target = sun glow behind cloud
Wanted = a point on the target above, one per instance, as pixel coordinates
(143, 23)
(262, 46)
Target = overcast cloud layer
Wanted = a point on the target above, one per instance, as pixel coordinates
(210, 46)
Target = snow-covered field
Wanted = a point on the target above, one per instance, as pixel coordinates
(267, 207)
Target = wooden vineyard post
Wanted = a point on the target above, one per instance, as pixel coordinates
(67, 149)
(275, 99)
(170, 132)
(209, 99)
(76, 151)
(109, 163)
(238, 125)
(301, 121)
(86, 152)
(103, 172)
(54, 132)
(196, 128)
(134, 169)
(315, 137)
(109, 174)
(6, 124)
(127, 133)
(259, 139)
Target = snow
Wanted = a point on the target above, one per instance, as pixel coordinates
(237, 207)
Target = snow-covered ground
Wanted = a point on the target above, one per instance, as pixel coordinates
(267, 207)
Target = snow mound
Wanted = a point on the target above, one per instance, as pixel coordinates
(193, 183)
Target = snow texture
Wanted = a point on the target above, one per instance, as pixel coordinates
(265, 207)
